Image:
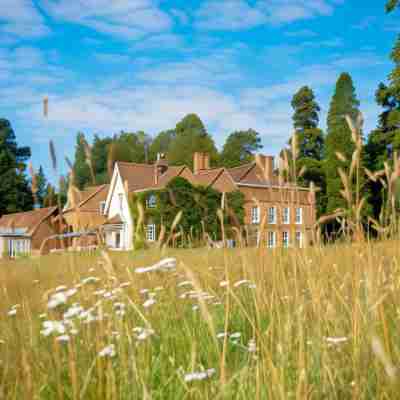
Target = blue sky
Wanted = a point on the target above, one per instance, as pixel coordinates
(108, 65)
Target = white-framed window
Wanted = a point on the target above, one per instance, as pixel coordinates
(285, 239)
(121, 202)
(286, 215)
(151, 233)
(151, 201)
(272, 215)
(271, 239)
(299, 215)
(255, 215)
(299, 239)
(102, 207)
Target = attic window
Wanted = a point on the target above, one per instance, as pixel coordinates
(102, 206)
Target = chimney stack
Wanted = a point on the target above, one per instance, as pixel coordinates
(201, 161)
(160, 166)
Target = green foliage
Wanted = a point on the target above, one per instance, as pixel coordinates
(191, 136)
(50, 197)
(15, 193)
(391, 5)
(161, 144)
(239, 148)
(199, 206)
(81, 166)
(100, 150)
(129, 148)
(41, 183)
(310, 141)
(338, 139)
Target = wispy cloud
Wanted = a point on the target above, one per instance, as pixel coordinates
(127, 19)
(241, 14)
(21, 19)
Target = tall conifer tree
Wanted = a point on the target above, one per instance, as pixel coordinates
(81, 167)
(338, 139)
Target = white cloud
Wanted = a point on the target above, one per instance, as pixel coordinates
(129, 19)
(20, 18)
(161, 42)
(241, 14)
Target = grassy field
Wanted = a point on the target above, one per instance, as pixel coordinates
(224, 324)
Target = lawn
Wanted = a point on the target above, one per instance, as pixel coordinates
(320, 323)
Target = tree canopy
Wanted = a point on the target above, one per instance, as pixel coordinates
(15, 192)
(240, 148)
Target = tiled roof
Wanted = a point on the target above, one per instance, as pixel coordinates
(208, 177)
(142, 176)
(90, 198)
(251, 174)
(25, 222)
(138, 176)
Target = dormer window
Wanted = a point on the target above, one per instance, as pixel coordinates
(102, 207)
(151, 201)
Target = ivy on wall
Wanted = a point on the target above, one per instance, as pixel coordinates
(199, 206)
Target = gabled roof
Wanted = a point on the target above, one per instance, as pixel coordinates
(207, 177)
(142, 176)
(90, 198)
(137, 176)
(116, 220)
(25, 222)
(251, 174)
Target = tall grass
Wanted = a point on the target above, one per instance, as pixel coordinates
(313, 323)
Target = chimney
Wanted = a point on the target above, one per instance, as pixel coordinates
(201, 161)
(160, 167)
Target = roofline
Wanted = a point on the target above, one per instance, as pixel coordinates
(83, 202)
(272, 186)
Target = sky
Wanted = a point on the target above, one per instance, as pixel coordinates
(112, 65)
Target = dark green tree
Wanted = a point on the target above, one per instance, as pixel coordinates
(41, 183)
(239, 148)
(191, 136)
(391, 5)
(100, 150)
(338, 139)
(310, 142)
(15, 192)
(81, 167)
(129, 148)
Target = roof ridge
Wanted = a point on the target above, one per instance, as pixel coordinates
(243, 165)
(28, 212)
(135, 163)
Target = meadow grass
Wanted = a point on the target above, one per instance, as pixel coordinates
(318, 323)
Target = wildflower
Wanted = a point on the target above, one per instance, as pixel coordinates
(224, 283)
(222, 335)
(12, 312)
(53, 327)
(163, 265)
(143, 291)
(108, 351)
(56, 300)
(195, 307)
(99, 292)
(143, 333)
(124, 284)
(336, 340)
(63, 338)
(71, 292)
(235, 335)
(60, 288)
(149, 303)
(73, 311)
(251, 346)
(199, 376)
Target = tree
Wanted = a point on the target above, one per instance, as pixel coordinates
(391, 5)
(239, 148)
(129, 148)
(100, 150)
(338, 140)
(50, 197)
(191, 136)
(161, 144)
(81, 166)
(310, 143)
(15, 193)
(145, 140)
(41, 183)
